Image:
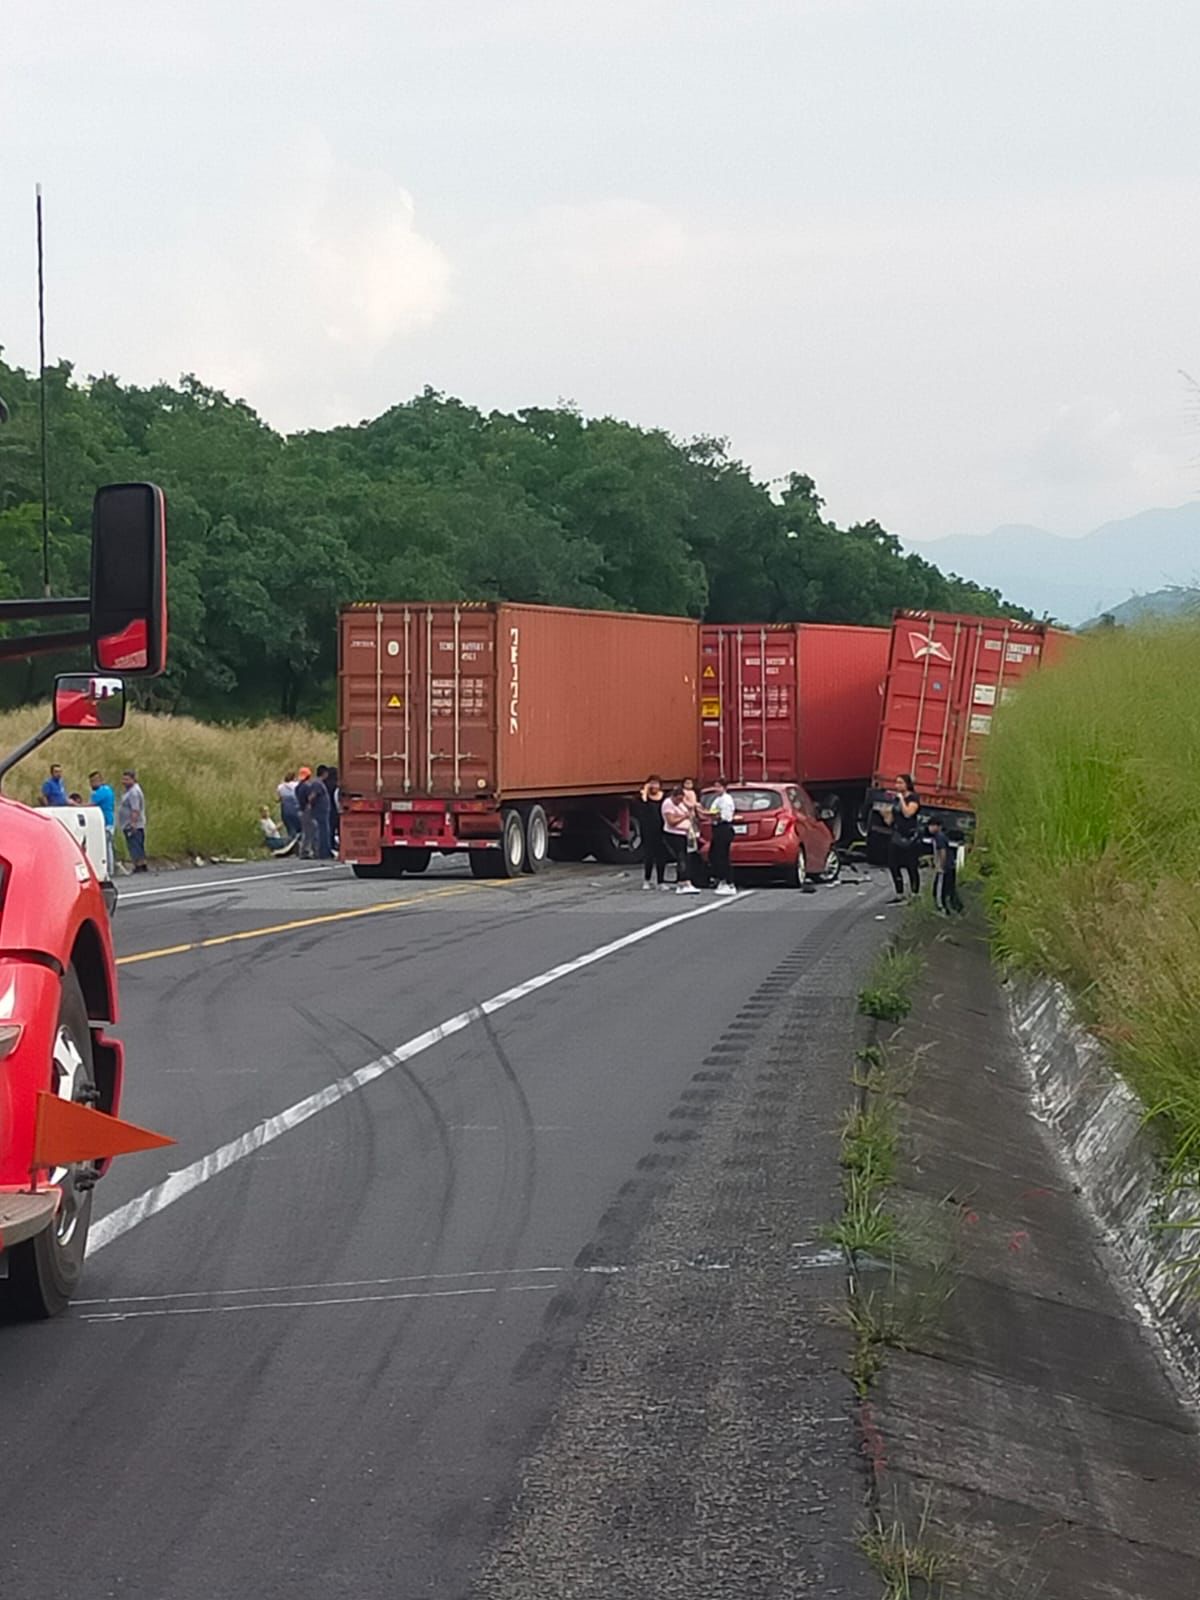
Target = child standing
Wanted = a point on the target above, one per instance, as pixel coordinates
(945, 869)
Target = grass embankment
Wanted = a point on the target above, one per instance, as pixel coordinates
(204, 783)
(1091, 827)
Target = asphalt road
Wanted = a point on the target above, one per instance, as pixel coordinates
(423, 1130)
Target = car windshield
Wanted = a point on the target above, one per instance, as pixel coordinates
(749, 799)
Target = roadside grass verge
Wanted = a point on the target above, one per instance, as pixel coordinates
(204, 783)
(887, 995)
(1090, 830)
(910, 1564)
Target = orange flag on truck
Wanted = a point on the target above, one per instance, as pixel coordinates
(66, 1132)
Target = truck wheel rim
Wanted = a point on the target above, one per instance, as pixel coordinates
(538, 839)
(69, 1072)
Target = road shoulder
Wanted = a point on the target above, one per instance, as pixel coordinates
(1031, 1428)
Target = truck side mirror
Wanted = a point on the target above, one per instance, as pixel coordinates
(129, 580)
(81, 701)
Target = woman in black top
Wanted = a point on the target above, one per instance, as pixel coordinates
(905, 841)
(654, 851)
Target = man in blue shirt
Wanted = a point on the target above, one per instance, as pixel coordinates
(102, 796)
(54, 790)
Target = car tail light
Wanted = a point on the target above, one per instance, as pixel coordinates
(784, 825)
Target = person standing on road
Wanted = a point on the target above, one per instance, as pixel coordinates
(308, 821)
(54, 790)
(697, 867)
(654, 851)
(103, 797)
(722, 810)
(905, 841)
(289, 811)
(131, 818)
(321, 806)
(945, 869)
(331, 783)
(677, 827)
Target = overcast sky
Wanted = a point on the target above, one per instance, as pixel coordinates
(944, 255)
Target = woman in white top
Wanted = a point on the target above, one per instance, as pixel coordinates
(722, 810)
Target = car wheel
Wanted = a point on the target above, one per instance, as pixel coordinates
(797, 874)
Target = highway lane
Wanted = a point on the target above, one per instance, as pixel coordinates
(319, 1371)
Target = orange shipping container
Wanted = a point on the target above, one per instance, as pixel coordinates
(510, 702)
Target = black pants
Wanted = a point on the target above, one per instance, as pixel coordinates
(675, 849)
(902, 858)
(945, 888)
(718, 855)
(654, 854)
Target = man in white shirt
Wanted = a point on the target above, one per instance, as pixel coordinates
(722, 810)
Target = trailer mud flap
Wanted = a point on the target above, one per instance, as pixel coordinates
(361, 835)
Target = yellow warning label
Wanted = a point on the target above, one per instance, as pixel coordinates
(395, 700)
(710, 672)
(710, 708)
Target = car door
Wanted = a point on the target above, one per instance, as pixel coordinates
(811, 830)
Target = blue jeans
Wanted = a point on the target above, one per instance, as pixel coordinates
(135, 842)
(324, 838)
(291, 819)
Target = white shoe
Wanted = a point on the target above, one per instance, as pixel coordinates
(666, 887)
(647, 884)
(726, 888)
(686, 888)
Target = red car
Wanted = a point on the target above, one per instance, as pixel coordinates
(778, 829)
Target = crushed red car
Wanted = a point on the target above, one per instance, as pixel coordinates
(778, 829)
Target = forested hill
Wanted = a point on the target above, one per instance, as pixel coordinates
(431, 500)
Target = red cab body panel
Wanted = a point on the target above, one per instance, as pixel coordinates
(791, 701)
(495, 701)
(51, 911)
(947, 675)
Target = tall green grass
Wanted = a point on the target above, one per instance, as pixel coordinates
(204, 783)
(1090, 828)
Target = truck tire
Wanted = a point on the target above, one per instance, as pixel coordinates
(512, 845)
(44, 1272)
(537, 839)
(413, 860)
(370, 869)
(485, 863)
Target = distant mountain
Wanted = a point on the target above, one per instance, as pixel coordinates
(1162, 604)
(1077, 579)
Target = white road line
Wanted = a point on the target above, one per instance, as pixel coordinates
(181, 1183)
(294, 1305)
(217, 883)
(309, 1288)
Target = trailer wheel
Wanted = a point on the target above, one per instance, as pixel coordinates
(537, 839)
(43, 1272)
(414, 860)
(485, 863)
(614, 852)
(512, 845)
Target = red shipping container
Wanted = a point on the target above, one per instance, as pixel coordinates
(947, 674)
(494, 701)
(791, 701)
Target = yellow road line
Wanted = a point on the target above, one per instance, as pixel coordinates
(292, 927)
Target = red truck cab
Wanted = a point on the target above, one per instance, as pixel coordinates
(58, 989)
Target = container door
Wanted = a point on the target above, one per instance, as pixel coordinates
(762, 667)
(451, 701)
(998, 655)
(714, 704)
(918, 729)
(374, 694)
